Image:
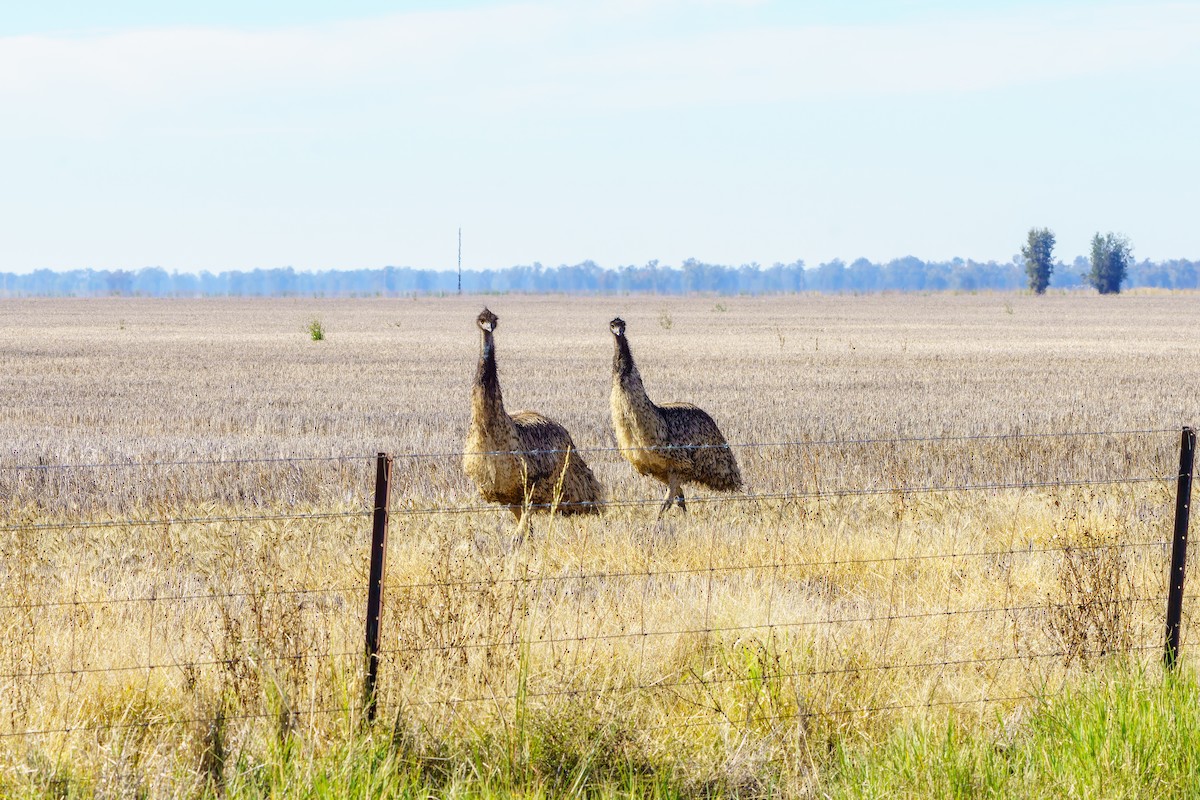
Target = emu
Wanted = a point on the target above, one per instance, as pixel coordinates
(523, 460)
(676, 443)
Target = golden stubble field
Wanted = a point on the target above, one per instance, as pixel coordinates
(186, 563)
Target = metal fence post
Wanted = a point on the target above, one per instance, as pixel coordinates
(1183, 499)
(379, 526)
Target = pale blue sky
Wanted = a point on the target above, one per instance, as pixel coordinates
(240, 135)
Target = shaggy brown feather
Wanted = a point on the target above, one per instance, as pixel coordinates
(676, 443)
(522, 457)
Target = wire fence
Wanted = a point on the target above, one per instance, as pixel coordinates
(970, 572)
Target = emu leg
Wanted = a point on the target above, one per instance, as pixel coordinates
(522, 523)
(674, 494)
(666, 503)
(677, 492)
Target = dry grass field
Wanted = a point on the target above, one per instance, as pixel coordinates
(185, 488)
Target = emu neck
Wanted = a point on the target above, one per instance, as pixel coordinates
(625, 371)
(623, 366)
(487, 383)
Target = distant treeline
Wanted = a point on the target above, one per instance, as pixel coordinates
(907, 274)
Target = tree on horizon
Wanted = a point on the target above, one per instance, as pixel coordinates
(1038, 252)
(1111, 256)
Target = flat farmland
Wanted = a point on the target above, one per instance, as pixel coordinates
(171, 378)
(954, 505)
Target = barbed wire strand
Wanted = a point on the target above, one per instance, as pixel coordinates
(164, 521)
(394, 510)
(351, 710)
(830, 621)
(159, 723)
(581, 639)
(538, 580)
(763, 566)
(792, 496)
(658, 448)
(202, 462)
(185, 598)
(181, 665)
(768, 676)
(804, 443)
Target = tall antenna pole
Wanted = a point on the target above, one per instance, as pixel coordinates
(460, 260)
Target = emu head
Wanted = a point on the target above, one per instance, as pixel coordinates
(486, 321)
(617, 326)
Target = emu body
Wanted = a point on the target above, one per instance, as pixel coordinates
(524, 458)
(675, 443)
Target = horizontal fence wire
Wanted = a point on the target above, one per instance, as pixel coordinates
(864, 710)
(801, 443)
(766, 626)
(796, 496)
(180, 665)
(706, 499)
(181, 598)
(631, 503)
(161, 723)
(589, 577)
(164, 521)
(657, 448)
(579, 639)
(349, 710)
(766, 676)
(764, 566)
(202, 462)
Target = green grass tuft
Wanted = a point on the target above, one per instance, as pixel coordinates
(1126, 732)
